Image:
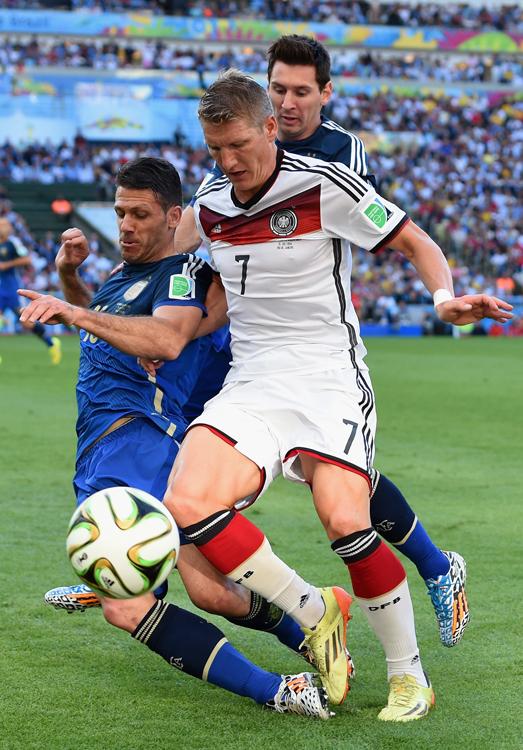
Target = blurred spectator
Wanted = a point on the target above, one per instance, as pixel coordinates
(496, 329)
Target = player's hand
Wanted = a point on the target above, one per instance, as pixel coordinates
(4, 266)
(473, 307)
(45, 308)
(73, 251)
(150, 365)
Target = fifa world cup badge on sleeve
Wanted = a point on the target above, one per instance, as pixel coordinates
(377, 213)
(180, 286)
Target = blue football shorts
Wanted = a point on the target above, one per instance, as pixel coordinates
(9, 300)
(138, 454)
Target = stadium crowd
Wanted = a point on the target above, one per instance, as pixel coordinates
(95, 163)
(23, 52)
(460, 177)
(507, 17)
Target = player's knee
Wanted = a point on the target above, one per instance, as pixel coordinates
(345, 521)
(186, 505)
(224, 600)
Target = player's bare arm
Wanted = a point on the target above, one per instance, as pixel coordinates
(16, 263)
(187, 239)
(434, 271)
(216, 306)
(160, 336)
(73, 251)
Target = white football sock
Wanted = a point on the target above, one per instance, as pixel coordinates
(392, 618)
(273, 579)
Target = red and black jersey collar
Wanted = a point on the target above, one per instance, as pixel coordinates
(264, 188)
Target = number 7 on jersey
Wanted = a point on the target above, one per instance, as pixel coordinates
(243, 259)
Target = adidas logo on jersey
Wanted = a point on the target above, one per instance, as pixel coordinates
(217, 229)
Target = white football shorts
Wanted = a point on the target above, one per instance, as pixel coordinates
(327, 415)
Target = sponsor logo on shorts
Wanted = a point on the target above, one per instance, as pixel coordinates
(180, 286)
(135, 290)
(283, 222)
(377, 213)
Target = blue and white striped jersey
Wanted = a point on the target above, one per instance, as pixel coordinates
(112, 384)
(11, 249)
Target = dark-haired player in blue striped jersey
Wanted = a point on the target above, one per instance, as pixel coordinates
(299, 86)
(130, 424)
(14, 256)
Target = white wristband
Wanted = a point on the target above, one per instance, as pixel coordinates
(441, 295)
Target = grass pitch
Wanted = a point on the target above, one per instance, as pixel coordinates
(450, 434)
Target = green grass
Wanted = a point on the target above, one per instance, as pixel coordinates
(450, 434)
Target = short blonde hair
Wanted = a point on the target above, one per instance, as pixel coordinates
(235, 96)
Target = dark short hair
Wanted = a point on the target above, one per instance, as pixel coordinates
(154, 174)
(295, 49)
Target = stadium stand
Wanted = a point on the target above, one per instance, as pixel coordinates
(18, 53)
(499, 17)
(453, 157)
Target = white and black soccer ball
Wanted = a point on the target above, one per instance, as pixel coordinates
(122, 542)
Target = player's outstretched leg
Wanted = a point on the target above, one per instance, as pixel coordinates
(197, 647)
(262, 616)
(443, 572)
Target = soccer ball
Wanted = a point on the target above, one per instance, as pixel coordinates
(122, 542)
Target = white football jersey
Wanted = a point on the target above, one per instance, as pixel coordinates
(284, 261)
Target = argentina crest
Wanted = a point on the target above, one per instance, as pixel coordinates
(283, 222)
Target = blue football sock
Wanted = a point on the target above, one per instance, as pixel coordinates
(289, 633)
(396, 522)
(40, 331)
(268, 618)
(198, 647)
(232, 671)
